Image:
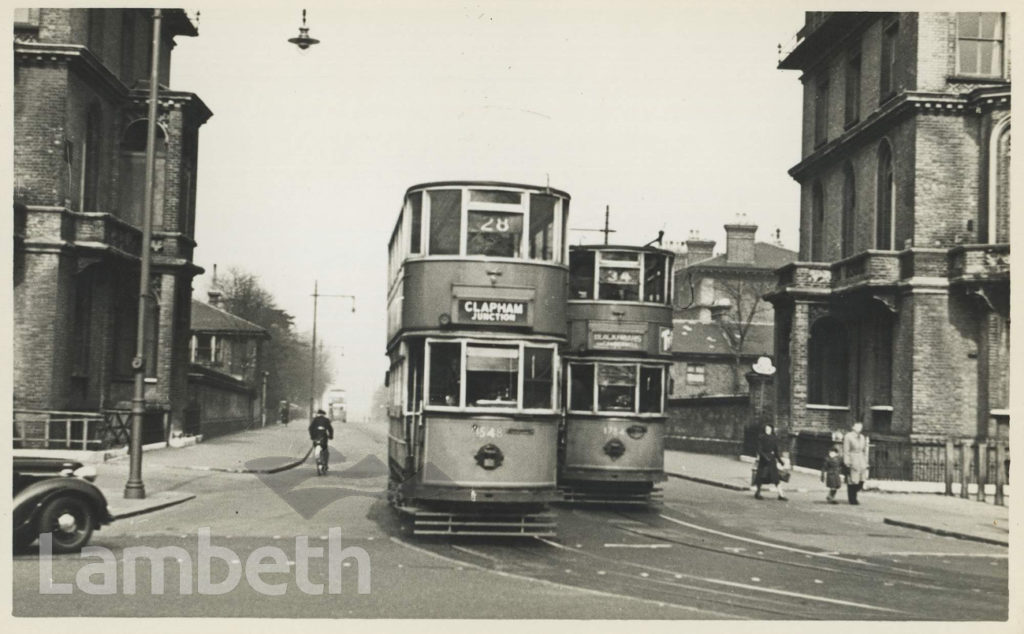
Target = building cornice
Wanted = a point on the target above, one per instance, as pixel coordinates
(173, 100)
(905, 104)
(78, 58)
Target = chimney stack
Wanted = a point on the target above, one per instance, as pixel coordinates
(213, 298)
(698, 249)
(739, 241)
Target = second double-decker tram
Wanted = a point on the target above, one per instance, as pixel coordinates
(476, 317)
(616, 373)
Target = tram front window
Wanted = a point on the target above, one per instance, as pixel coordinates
(620, 277)
(445, 371)
(581, 275)
(581, 393)
(492, 376)
(650, 390)
(537, 378)
(494, 233)
(445, 221)
(616, 387)
(654, 277)
(542, 226)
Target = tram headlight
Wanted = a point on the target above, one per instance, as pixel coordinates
(444, 319)
(614, 448)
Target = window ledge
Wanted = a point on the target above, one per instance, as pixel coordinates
(829, 408)
(978, 79)
(150, 380)
(881, 408)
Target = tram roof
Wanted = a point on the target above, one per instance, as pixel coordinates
(542, 188)
(621, 247)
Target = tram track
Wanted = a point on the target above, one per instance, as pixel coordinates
(852, 567)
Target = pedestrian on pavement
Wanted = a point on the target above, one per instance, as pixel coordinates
(768, 461)
(832, 473)
(855, 459)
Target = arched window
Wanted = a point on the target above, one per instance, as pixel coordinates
(133, 174)
(885, 202)
(849, 210)
(827, 363)
(817, 222)
(998, 221)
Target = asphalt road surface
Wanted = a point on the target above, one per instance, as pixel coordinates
(705, 554)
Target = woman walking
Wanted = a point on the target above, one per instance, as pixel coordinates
(768, 461)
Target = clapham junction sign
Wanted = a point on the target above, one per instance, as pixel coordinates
(474, 310)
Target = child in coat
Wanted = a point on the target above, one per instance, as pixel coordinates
(832, 473)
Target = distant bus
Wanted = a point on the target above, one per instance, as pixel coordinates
(336, 405)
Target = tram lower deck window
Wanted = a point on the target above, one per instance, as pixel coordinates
(650, 390)
(616, 387)
(538, 378)
(492, 376)
(581, 392)
(445, 373)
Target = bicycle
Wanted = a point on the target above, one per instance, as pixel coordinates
(320, 455)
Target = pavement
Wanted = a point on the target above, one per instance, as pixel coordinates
(165, 470)
(934, 513)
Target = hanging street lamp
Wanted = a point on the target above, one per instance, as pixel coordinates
(303, 41)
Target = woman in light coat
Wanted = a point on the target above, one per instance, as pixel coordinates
(855, 459)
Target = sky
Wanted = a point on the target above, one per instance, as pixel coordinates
(672, 113)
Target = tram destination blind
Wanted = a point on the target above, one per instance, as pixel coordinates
(493, 311)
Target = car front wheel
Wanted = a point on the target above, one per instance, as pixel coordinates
(70, 520)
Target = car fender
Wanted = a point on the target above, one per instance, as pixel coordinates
(29, 500)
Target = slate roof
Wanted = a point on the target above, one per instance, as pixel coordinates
(766, 256)
(693, 337)
(210, 319)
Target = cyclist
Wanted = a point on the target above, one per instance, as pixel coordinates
(320, 431)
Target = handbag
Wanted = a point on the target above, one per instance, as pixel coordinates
(784, 475)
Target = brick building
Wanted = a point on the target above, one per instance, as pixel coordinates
(721, 323)
(80, 92)
(897, 313)
(226, 388)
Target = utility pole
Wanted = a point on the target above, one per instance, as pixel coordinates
(312, 372)
(135, 488)
(607, 225)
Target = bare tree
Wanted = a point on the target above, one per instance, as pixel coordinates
(744, 303)
(287, 356)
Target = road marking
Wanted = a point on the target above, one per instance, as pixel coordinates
(638, 545)
(769, 544)
(925, 554)
(562, 586)
(743, 585)
(477, 553)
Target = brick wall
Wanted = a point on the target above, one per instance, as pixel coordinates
(40, 172)
(948, 169)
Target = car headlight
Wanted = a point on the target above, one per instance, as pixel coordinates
(86, 473)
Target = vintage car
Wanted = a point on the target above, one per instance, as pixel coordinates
(54, 495)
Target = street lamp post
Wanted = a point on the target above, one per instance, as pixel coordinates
(134, 488)
(312, 370)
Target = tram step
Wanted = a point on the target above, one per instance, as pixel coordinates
(439, 523)
(597, 496)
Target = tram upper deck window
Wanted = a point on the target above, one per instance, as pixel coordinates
(581, 274)
(494, 233)
(542, 227)
(581, 392)
(650, 390)
(445, 373)
(619, 276)
(414, 207)
(654, 278)
(616, 387)
(492, 376)
(445, 221)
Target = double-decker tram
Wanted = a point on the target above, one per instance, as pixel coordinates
(478, 277)
(616, 373)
